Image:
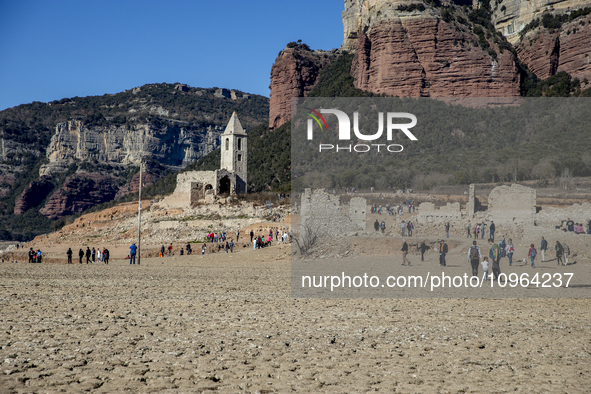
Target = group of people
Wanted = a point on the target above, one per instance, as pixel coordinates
(569, 225)
(92, 256)
(492, 259)
(478, 230)
(263, 241)
(561, 249)
(35, 256)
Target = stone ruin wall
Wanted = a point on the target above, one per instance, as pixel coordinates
(358, 211)
(187, 189)
(323, 212)
(429, 214)
(512, 204)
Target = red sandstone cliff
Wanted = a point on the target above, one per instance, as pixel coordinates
(80, 192)
(293, 74)
(431, 58)
(568, 49)
(33, 195)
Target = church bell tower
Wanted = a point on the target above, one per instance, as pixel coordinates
(234, 152)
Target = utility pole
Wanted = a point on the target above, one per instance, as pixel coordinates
(139, 218)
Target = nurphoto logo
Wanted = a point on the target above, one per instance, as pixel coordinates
(344, 132)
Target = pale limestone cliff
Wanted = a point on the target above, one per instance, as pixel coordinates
(171, 143)
(511, 16)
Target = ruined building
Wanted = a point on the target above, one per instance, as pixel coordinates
(231, 178)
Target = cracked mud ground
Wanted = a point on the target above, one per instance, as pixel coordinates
(227, 323)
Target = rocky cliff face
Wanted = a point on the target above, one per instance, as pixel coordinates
(511, 16)
(568, 49)
(431, 58)
(293, 74)
(171, 143)
(417, 53)
(33, 195)
(78, 193)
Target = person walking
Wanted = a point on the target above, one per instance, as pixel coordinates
(558, 249)
(383, 226)
(402, 227)
(404, 252)
(106, 254)
(376, 225)
(443, 249)
(31, 255)
(492, 230)
(565, 253)
(251, 235)
(162, 251)
(170, 250)
(93, 255)
(468, 235)
(98, 255)
(510, 250)
(132, 253)
(88, 254)
(447, 230)
(423, 249)
(80, 255)
(237, 235)
(532, 253)
(543, 248)
(69, 253)
(485, 267)
(495, 257)
(474, 256)
(482, 228)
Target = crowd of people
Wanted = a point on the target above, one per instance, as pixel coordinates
(221, 242)
(489, 257)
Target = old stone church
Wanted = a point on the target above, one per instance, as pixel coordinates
(231, 178)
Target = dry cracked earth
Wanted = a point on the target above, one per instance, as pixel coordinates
(227, 323)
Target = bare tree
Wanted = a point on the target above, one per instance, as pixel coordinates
(306, 238)
(543, 171)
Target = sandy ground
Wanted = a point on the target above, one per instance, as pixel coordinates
(227, 323)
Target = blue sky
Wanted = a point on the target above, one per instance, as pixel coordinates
(55, 49)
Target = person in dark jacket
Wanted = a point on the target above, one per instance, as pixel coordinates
(80, 255)
(558, 248)
(423, 250)
(88, 254)
(404, 252)
(543, 248)
(443, 249)
(106, 255)
(69, 254)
